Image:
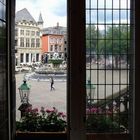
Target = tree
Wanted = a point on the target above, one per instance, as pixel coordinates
(91, 38)
(92, 35)
(116, 42)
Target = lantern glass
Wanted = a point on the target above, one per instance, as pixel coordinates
(90, 89)
(24, 91)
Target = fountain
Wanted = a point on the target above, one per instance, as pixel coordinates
(55, 67)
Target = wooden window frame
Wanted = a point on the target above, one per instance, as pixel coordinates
(76, 69)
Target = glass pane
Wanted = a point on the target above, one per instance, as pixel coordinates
(93, 3)
(2, 11)
(41, 65)
(107, 66)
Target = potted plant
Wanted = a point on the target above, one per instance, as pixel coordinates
(103, 121)
(51, 124)
(49, 120)
(103, 124)
(46, 123)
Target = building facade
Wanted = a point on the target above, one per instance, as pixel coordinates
(27, 38)
(54, 42)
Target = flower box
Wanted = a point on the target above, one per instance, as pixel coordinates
(43, 121)
(107, 136)
(41, 136)
(63, 136)
(33, 126)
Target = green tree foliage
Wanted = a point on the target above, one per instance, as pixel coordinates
(92, 34)
(115, 41)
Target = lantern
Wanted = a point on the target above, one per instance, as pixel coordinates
(90, 89)
(24, 91)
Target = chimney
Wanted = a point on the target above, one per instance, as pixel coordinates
(57, 24)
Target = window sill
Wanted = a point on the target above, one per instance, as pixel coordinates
(63, 136)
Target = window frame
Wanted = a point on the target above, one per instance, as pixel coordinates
(73, 14)
(76, 76)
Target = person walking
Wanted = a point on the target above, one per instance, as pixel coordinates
(52, 83)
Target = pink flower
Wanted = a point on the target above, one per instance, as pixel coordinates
(29, 109)
(48, 111)
(94, 110)
(60, 114)
(63, 115)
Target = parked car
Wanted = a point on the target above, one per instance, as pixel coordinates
(18, 68)
(25, 68)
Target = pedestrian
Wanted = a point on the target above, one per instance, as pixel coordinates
(52, 83)
(38, 79)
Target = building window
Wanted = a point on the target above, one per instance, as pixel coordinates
(37, 33)
(60, 40)
(27, 33)
(16, 42)
(27, 57)
(57, 40)
(37, 42)
(51, 48)
(32, 42)
(51, 56)
(51, 40)
(54, 40)
(37, 57)
(31, 56)
(60, 48)
(55, 48)
(33, 33)
(16, 32)
(21, 57)
(27, 42)
(21, 32)
(21, 42)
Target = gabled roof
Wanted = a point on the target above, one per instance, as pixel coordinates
(40, 20)
(24, 15)
(60, 30)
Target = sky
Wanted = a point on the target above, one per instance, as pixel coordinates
(52, 11)
(119, 14)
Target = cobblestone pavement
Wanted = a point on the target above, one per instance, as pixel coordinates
(41, 95)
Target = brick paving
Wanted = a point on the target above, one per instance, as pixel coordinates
(40, 94)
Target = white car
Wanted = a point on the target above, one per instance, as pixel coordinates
(26, 68)
(18, 68)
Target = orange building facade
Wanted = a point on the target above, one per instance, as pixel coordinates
(52, 44)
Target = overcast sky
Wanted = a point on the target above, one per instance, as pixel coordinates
(52, 11)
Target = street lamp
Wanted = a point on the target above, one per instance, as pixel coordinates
(24, 91)
(90, 89)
